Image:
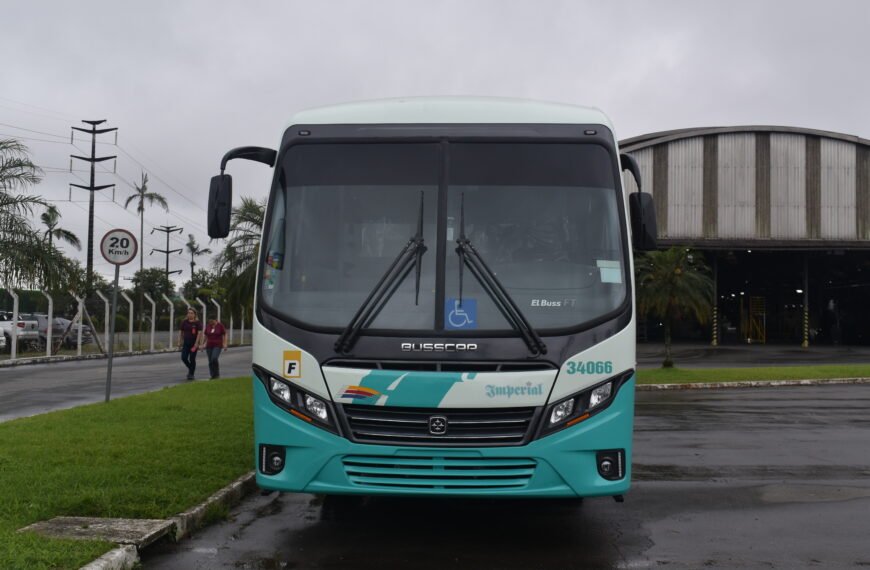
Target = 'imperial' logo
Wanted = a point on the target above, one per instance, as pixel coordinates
(438, 346)
(529, 389)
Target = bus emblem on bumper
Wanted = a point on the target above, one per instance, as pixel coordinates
(437, 425)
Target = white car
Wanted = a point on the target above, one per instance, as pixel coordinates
(27, 331)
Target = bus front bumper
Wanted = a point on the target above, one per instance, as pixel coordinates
(560, 465)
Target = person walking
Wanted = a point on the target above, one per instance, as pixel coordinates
(189, 338)
(215, 342)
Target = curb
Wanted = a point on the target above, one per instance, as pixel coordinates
(121, 558)
(192, 519)
(750, 384)
(127, 557)
(100, 356)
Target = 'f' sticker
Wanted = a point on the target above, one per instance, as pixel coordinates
(292, 364)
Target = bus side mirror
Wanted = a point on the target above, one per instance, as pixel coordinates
(643, 221)
(220, 205)
(641, 209)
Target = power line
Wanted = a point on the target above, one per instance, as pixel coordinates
(31, 138)
(34, 131)
(151, 170)
(173, 213)
(66, 118)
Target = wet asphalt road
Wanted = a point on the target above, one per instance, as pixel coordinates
(36, 388)
(651, 355)
(762, 478)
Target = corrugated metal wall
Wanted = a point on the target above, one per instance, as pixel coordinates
(736, 186)
(788, 196)
(757, 186)
(838, 190)
(685, 187)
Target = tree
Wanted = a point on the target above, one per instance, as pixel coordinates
(237, 263)
(25, 258)
(195, 251)
(671, 285)
(50, 219)
(203, 283)
(154, 282)
(141, 196)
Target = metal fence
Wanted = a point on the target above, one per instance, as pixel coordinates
(20, 343)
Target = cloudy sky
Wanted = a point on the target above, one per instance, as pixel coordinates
(185, 81)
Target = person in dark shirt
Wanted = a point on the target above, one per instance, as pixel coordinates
(189, 338)
(215, 342)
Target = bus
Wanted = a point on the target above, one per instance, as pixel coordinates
(445, 300)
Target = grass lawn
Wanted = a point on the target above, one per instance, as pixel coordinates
(683, 375)
(146, 456)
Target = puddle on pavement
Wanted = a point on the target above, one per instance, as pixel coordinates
(811, 493)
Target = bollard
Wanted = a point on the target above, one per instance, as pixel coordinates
(231, 329)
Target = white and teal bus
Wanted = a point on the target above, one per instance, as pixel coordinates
(444, 301)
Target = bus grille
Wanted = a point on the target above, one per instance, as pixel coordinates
(434, 472)
(410, 426)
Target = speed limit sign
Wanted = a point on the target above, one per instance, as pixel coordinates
(119, 247)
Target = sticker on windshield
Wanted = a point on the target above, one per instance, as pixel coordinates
(610, 271)
(275, 260)
(458, 315)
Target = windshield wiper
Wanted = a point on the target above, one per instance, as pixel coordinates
(493, 287)
(409, 258)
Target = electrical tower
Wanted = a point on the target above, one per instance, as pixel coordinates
(167, 230)
(93, 159)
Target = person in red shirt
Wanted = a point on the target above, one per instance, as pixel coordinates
(189, 337)
(215, 341)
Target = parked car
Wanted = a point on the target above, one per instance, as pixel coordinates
(59, 326)
(2, 342)
(26, 330)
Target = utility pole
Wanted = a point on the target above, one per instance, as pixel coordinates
(93, 159)
(167, 230)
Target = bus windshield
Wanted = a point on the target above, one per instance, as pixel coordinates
(544, 217)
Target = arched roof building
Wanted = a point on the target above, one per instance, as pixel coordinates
(782, 214)
(757, 186)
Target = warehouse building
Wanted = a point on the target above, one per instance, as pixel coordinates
(781, 214)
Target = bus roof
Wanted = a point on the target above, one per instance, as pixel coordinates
(451, 110)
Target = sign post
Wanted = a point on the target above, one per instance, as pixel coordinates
(119, 248)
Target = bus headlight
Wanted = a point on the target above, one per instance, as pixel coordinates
(561, 411)
(580, 406)
(599, 395)
(307, 407)
(316, 407)
(281, 390)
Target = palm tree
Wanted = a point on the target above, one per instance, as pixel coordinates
(237, 263)
(24, 257)
(50, 219)
(672, 285)
(195, 251)
(143, 195)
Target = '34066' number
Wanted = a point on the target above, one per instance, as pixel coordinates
(590, 367)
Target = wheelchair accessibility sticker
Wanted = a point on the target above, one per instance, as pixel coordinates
(460, 316)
